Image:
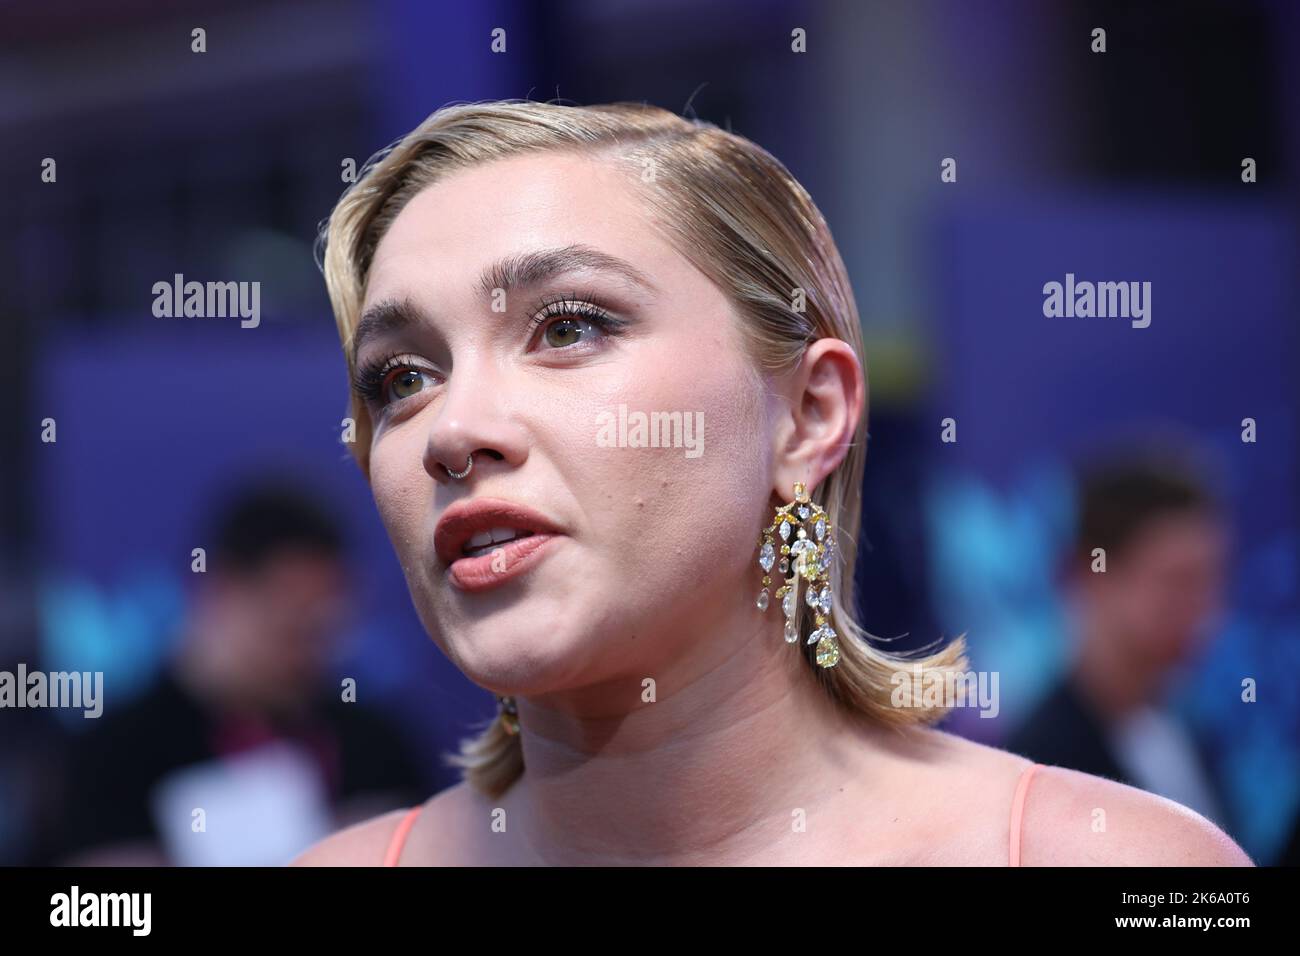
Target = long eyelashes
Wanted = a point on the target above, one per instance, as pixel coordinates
(371, 380)
(573, 306)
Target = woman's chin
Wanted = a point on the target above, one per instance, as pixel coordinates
(537, 654)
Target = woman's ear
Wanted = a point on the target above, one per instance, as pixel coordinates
(827, 397)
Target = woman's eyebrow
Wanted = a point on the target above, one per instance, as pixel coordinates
(532, 268)
(384, 318)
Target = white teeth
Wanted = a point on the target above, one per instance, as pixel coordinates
(484, 539)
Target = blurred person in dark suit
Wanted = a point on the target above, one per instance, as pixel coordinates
(1290, 852)
(1147, 614)
(242, 750)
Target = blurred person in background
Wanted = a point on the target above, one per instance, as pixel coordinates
(241, 752)
(1290, 854)
(1138, 622)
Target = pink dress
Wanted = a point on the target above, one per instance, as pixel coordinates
(1017, 813)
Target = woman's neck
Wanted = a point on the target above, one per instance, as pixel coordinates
(717, 770)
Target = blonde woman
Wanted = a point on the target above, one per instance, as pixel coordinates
(610, 398)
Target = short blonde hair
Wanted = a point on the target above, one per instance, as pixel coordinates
(739, 216)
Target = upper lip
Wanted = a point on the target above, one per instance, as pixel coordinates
(462, 520)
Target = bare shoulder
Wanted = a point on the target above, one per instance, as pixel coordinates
(1077, 819)
(1072, 818)
(361, 844)
(429, 842)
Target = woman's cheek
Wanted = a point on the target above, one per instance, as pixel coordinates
(689, 508)
(397, 492)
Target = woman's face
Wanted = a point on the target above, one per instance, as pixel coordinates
(483, 336)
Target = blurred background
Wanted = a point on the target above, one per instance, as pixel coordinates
(1173, 671)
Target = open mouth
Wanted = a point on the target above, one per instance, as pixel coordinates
(485, 542)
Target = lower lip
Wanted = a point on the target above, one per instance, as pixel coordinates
(501, 563)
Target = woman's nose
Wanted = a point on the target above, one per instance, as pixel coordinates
(475, 418)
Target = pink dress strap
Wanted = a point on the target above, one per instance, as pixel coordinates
(399, 837)
(1018, 810)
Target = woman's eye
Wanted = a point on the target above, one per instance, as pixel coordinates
(404, 383)
(568, 332)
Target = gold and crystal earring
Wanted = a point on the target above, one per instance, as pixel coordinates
(808, 556)
(508, 713)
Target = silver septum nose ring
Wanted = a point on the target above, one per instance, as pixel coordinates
(469, 466)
